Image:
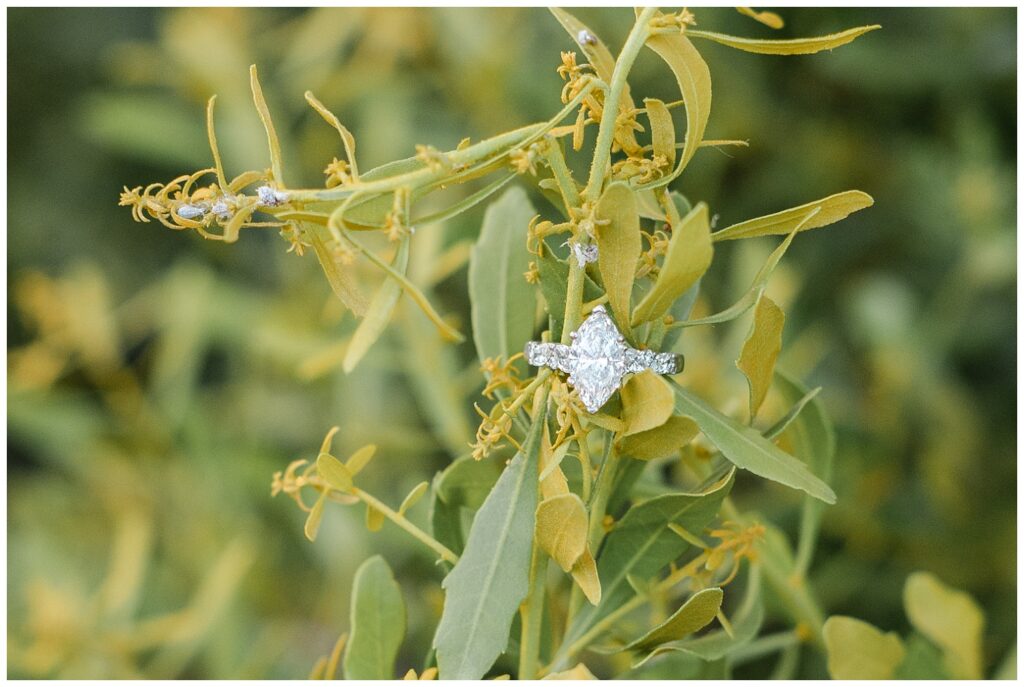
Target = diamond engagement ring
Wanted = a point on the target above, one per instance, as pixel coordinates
(598, 359)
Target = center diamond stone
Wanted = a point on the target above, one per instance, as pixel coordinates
(600, 359)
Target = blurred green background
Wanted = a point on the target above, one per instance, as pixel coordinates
(156, 381)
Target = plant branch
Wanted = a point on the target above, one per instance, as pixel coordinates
(403, 522)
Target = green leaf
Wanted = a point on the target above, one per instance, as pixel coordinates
(503, 304)
(618, 247)
(760, 351)
(460, 490)
(922, 662)
(795, 46)
(379, 312)
(663, 132)
(378, 623)
(554, 275)
(342, 283)
(360, 459)
(660, 442)
(699, 610)
(791, 415)
(949, 618)
(334, 472)
(688, 258)
(413, 497)
(745, 448)
(694, 81)
(646, 402)
(833, 209)
(316, 515)
(859, 651)
(813, 440)
(714, 645)
(641, 544)
(484, 589)
(562, 529)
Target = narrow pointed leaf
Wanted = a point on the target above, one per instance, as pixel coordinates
(699, 610)
(714, 645)
(584, 573)
(663, 132)
(618, 247)
(688, 258)
(413, 497)
(833, 209)
(484, 589)
(813, 440)
(745, 448)
(694, 79)
(503, 304)
(359, 460)
(761, 350)
(316, 515)
(379, 313)
(794, 46)
(338, 276)
(377, 623)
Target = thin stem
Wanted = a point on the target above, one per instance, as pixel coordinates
(606, 130)
(400, 520)
(531, 612)
(602, 493)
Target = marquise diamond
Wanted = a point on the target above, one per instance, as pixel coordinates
(598, 359)
(600, 355)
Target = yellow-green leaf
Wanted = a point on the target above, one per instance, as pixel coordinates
(949, 618)
(342, 283)
(663, 131)
(374, 519)
(316, 514)
(584, 573)
(379, 313)
(647, 402)
(833, 208)
(660, 442)
(694, 81)
(699, 610)
(413, 497)
(358, 460)
(761, 350)
(562, 529)
(769, 19)
(860, 651)
(334, 472)
(268, 125)
(579, 672)
(618, 247)
(794, 46)
(688, 258)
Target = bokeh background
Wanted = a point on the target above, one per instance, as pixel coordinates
(156, 381)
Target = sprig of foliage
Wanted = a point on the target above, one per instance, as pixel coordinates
(623, 238)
